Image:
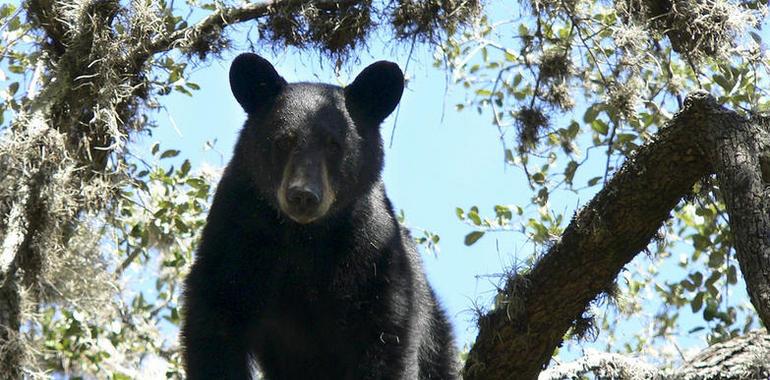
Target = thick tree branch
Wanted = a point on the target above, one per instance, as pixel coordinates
(743, 357)
(518, 338)
(740, 156)
(604, 366)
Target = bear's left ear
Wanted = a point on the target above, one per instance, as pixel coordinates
(376, 91)
(254, 81)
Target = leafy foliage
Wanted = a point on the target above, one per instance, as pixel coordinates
(624, 68)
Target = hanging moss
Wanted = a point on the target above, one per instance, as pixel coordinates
(430, 20)
(529, 123)
(693, 27)
(335, 30)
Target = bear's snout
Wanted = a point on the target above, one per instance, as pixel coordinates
(305, 194)
(303, 198)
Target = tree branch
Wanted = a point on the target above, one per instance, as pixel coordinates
(604, 366)
(233, 15)
(743, 357)
(518, 338)
(741, 156)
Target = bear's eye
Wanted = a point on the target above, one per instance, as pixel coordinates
(333, 145)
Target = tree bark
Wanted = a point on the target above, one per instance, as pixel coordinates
(517, 339)
(12, 353)
(740, 152)
(741, 358)
(745, 357)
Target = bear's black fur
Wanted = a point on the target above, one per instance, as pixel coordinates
(302, 265)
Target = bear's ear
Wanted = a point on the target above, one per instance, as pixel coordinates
(376, 91)
(254, 81)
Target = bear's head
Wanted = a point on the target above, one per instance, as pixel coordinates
(311, 149)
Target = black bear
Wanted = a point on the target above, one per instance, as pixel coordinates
(302, 265)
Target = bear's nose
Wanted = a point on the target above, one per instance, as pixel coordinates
(303, 197)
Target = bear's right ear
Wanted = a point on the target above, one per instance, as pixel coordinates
(254, 81)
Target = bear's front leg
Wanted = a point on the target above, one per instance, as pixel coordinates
(214, 337)
(388, 357)
(212, 349)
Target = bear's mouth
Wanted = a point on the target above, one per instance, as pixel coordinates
(303, 219)
(304, 214)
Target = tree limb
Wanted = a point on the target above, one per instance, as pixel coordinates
(518, 338)
(233, 15)
(743, 357)
(741, 156)
(604, 366)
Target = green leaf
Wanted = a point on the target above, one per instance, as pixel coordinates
(697, 278)
(732, 275)
(697, 302)
(509, 156)
(687, 284)
(503, 212)
(473, 237)
(182, 90)
(723, 82)
(510, 56)
(716, 259)
(590, 115)
(185, 168)
(174, 76)
(600, 127)
(473, 215)
(170, 153)
(701, 242)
